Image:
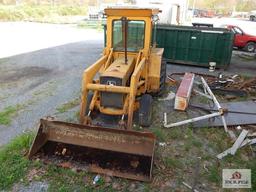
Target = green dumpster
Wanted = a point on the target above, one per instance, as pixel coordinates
(195, 46)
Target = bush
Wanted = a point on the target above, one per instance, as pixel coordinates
(19, 13)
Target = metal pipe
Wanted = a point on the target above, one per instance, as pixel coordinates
(109, 59)
(125, 34)
(154, 40)
(189, 120)
(108, 88)
(203, 94)
(210, 93)
(216, 103)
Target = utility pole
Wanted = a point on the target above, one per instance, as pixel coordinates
(17, 2)
(194, 4)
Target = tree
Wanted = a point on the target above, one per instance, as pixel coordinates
(246, 5)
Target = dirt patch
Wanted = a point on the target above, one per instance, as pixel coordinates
(23, 73)
(33, 186)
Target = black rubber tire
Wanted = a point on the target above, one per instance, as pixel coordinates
(162, 77)
(145, 110)
(89, 99)
(250, 47)
(252, 18)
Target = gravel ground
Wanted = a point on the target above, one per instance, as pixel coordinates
(44, 79)
(41, 68)
(240, 64)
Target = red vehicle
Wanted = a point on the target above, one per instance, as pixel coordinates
(242, 39)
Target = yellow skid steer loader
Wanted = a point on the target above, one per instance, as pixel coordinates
(129, 72)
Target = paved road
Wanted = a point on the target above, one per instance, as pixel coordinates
(41, 68)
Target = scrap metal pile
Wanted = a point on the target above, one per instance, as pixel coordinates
(240, 115)
(232, 85)
(227, 84)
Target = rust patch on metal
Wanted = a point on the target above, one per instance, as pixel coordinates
(120, 153)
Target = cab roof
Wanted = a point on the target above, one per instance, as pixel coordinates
(131, 11)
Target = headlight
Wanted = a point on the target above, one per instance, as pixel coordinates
(155, 18)
(101, 14)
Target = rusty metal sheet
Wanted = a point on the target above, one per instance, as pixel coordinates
(128, 175)
(102, 150)
(101, 138)
(184, 92)
(238, 114)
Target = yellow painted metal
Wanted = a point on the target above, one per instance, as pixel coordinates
(142, 70)
(108, 88)
(110, 57)
(134, 83)
(95, 104)
(131, 12)
(155, 69)
(88, 76)
(138, 58)
(111, 111)
(120, 69)
(94, 100)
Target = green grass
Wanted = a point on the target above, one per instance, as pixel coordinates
(91, 25)
(24, 12)
(69, 105)
(172, 163)
(14, 165)
(3, 60)
(214, 175)
(7, 114)
(160, 135)
(176, 134)
(64, 179)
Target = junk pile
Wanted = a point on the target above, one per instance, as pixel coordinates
(243, 139)
(227, 85)
(227, 115)
(235, 85)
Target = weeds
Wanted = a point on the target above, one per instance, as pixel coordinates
(14, 165)
(67, 106)
(64, 179)
(172, 163)
(214, 175)
(161, 136)
(176, 134)
(90, 25)
(8, 113)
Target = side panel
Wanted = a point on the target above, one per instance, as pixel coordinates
(195, 46)
(107, 99)
(154, 69)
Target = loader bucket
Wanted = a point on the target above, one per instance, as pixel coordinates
(114, 152)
